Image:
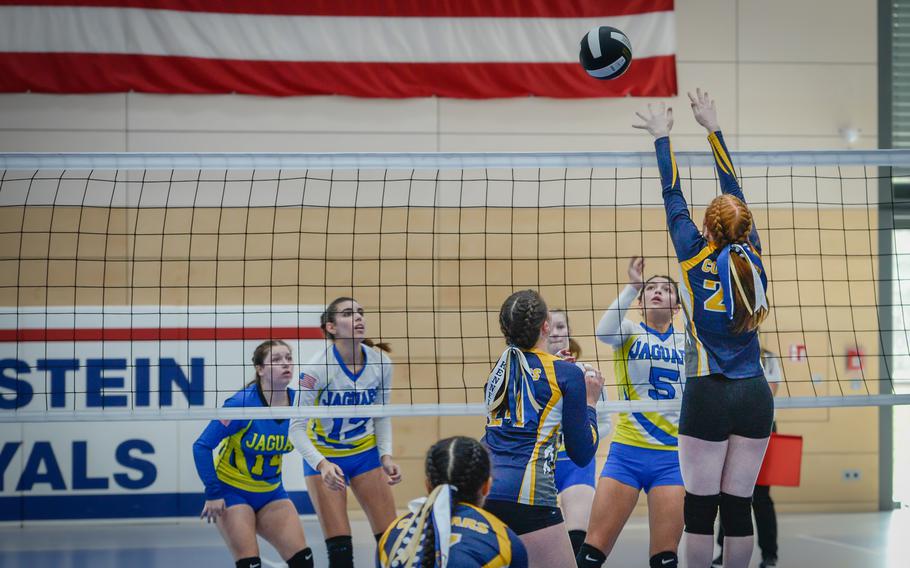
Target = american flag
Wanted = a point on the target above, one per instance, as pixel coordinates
(361, 48)
(307, 381)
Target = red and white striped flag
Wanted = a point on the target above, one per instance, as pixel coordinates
(361, 48)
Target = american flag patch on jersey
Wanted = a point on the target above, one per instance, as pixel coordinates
(307, 381)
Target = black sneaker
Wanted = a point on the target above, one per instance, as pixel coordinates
(768, 563)
(719, 561)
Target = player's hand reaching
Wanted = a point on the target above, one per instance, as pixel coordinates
(566, 355)
(658, 124)
(331, 475)
(705, 110)
(391, 469)
(212, 509)
(636, 272)
(594, 384)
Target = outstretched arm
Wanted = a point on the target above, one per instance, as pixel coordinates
(687, 239)
(614, 329)
(705, 110)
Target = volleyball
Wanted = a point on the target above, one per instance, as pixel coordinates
(606, 53)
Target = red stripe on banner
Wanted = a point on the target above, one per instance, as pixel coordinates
(159, 334)
(386, 8)
(113, 73)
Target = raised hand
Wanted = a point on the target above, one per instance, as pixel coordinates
(705, 110)
(636, 272)
(658, 124)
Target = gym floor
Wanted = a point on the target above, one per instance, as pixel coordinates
(836, 540)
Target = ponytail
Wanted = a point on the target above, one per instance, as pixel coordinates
(456, 468)
(746, 315)
(738, 266)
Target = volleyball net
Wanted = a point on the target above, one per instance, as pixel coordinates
(136, 286)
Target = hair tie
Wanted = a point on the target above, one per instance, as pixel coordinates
(729, 277)
(513, 370)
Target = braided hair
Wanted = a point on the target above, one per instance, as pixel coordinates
(460, 465)
(729, 221)
(331, 312)
(520, 319)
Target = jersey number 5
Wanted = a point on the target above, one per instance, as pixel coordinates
(716, 302)
(660, 379)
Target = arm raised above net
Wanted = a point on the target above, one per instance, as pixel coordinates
(687, 239)
(705, 111)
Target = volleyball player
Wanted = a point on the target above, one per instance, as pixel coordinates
(448, 529)
(532, 397)
(727, 408)
(347, 451)
(643, 455)
(243, 490)
(574, 484)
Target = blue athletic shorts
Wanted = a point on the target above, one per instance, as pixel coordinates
(352, 466)
(235, 496)
(642, 468)
(568, 474)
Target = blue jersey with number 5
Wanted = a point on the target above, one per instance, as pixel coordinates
(711, 346)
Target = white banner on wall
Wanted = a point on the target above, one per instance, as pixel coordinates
(140, 358)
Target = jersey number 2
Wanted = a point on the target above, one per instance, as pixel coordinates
(716, 302)
(660, 379)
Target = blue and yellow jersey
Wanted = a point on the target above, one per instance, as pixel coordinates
(478, 539)
(249, 451)
(711, 346)
(326, 381)
(649, 365)
(523, 455)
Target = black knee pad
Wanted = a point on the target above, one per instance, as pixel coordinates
(341, 551)
(303, 559)
(700, 512)
(251, 562)
(736, 515)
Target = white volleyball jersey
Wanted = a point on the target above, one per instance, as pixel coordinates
(326, 381)
(649, 365)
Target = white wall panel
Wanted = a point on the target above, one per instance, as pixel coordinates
(807, 99)
(808, 30)
(240, 113)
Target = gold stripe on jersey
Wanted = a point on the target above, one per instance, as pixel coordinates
(546, 360)
(504, 558)
(695, 260)
(383, 555)
(238, 476)
(722, 158)
(702, 365)
(673, 163)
